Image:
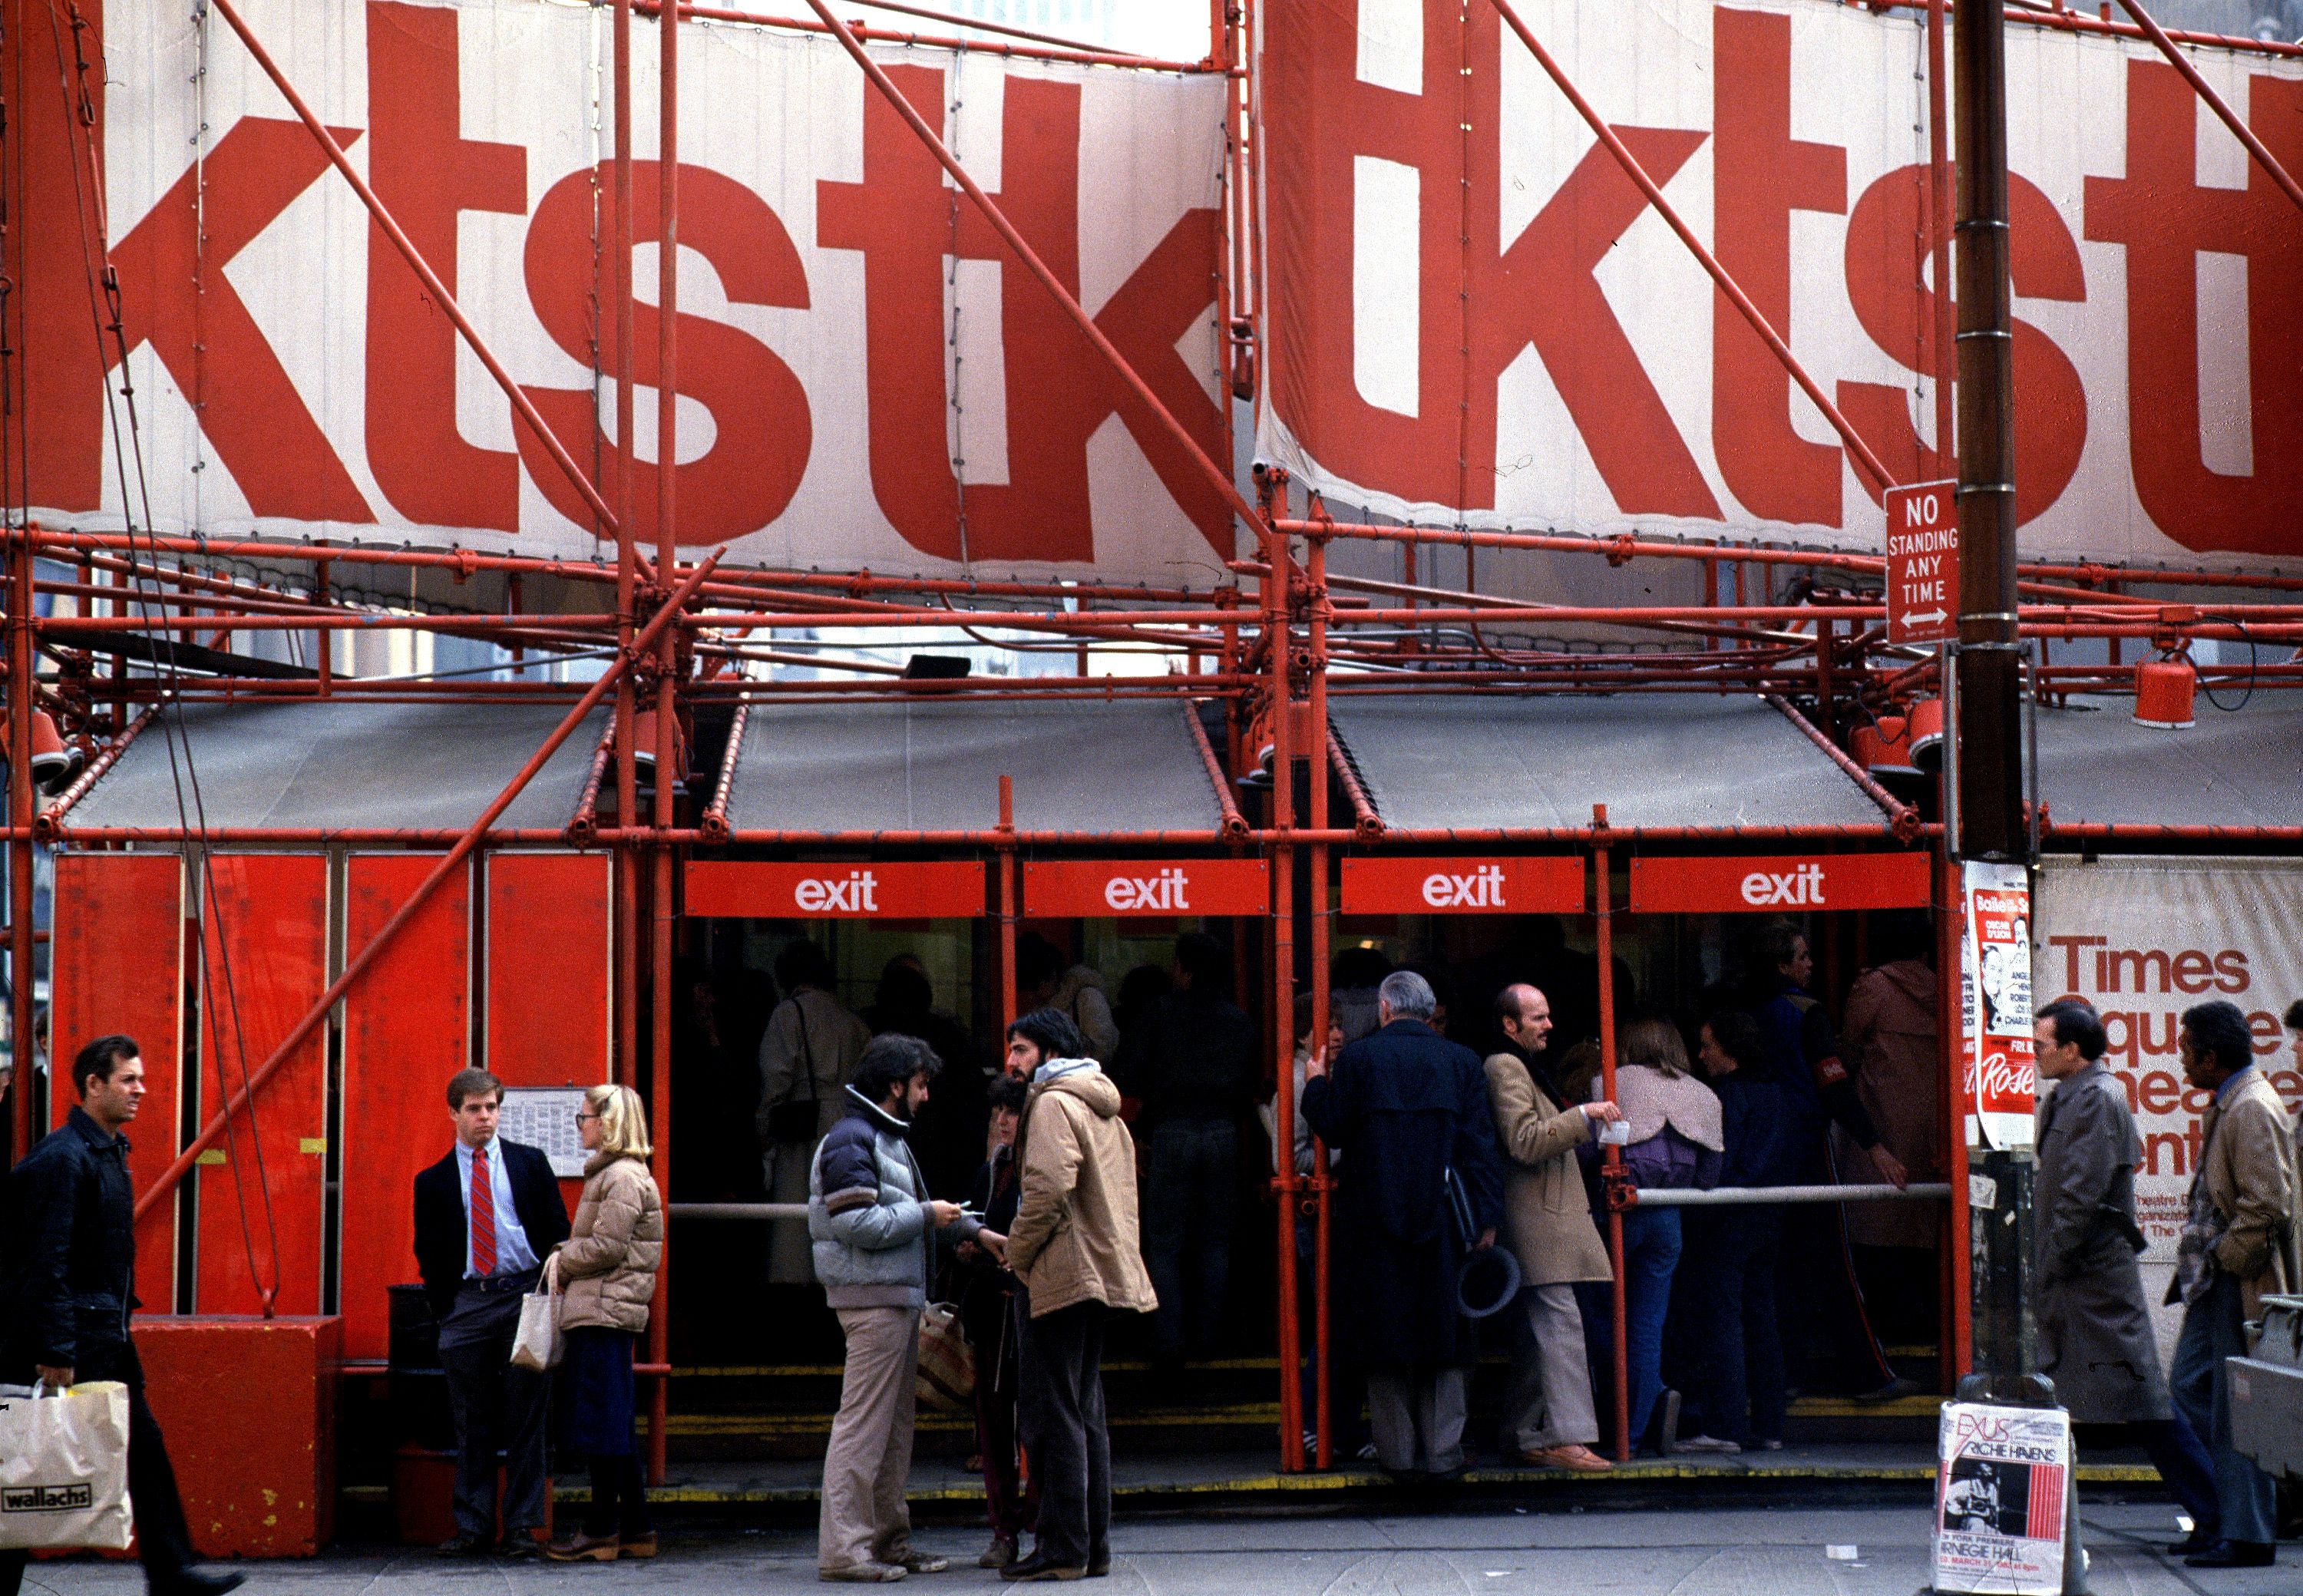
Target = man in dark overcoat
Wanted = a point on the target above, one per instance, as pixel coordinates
(1409, 1110)
(2096, 1341)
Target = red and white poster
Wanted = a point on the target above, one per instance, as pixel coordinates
(866, 376)
(1994, 996)
(1477, 318)
(2003, 1482)
(1094, 889)
(2143, 940)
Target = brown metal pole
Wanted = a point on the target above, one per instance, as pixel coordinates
(627, 911)
(455, 855)
(667, 690)
(1321, 1187)
(21, 623)
(1990, 751)
(1939, 229)
(2215, 102)
(1612, 1171)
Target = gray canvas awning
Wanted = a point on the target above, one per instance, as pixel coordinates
(2241, 767)
(342, 764)
(1482, 763)
(1080, 766)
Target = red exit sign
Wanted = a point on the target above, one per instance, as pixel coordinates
(1404, 886)
(1102, 889)
(1923, 563)
(755, 890)
(1779, 884)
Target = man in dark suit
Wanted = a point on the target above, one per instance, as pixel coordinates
(69, 1286)
(1408, 1109)
(486, 1217)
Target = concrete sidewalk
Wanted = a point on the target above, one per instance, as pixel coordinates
(1692, 1552)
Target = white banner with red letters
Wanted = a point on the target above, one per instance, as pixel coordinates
(1476, 318)
(866, 376)
(2143, 940)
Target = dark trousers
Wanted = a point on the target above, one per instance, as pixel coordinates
(1191, 1178)
(163, 1542)
(1822, 1297)
(619, 1498)
(2176, 1451)
(1066, 1432)
(2214, 1329)
(496, 1408)
(1348, 1430)
(1008, 1503)
(1743, 1363)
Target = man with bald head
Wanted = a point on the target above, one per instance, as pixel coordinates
(1548, 1416)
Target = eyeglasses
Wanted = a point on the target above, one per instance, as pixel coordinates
(583, 1114)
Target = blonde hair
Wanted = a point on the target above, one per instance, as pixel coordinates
(623, 1122)
(1656, 1043)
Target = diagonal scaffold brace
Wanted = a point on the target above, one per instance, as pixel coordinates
(641, 646)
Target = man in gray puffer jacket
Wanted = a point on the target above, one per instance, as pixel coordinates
(870, 1219)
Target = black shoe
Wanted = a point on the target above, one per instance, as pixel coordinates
(200, 1582)
(2235, 1554)
(1099, 1568)
(1039, 1565)
(2194, 1543)
(463, 1543)
(519, 1546)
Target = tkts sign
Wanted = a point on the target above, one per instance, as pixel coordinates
(1778, 884)
(866, 376)
(1477, 318)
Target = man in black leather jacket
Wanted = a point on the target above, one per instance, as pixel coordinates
(69, 1286)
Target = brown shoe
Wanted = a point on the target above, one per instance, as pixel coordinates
(1574, 1455)
(637, 1546)
(581, 1547)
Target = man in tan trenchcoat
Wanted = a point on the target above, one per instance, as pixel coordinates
(1549, 1416)
(2238, 1244)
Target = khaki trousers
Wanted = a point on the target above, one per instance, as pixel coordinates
(869, 1458)
(1550, 1404)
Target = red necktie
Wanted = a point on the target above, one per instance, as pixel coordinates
(483, 1216)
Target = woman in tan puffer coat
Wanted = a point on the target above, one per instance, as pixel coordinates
(607, 1267)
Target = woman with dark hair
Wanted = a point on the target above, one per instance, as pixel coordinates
(1674, 1144)
(1741, 1401)
(987, 1308)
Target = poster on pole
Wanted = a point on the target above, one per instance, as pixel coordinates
(1994, 959)
(2002, 1480)
(2143, 940)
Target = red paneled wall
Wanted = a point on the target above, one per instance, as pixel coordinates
(548, 958)
(266, 964)
(116, 965)
(406, 1029)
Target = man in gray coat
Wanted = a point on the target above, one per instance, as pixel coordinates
(2095, 1331)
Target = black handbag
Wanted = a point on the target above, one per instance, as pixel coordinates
(795, 1120)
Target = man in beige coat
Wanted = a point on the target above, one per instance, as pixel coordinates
(1548, 1414)
(1073, 1246)
(2238, 1244)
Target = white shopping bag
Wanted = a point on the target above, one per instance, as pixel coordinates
(64, 1466)
(538, 1343)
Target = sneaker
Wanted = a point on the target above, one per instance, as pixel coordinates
(1708, 1443)
(861, 1574)
(999, 1554)
(1367, 1452)
(920, 1562)
(1771, 1443)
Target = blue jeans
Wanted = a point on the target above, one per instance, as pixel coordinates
(1191, 1177)
(1651, 1241)
(2212, 1331)
(1745, 1364)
